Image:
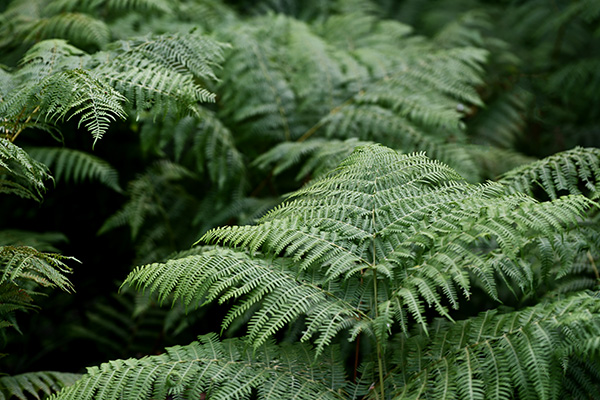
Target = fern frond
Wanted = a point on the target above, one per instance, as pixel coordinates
(408, 219)
(19, 173)
(23, 386)
(574, 171)
(211, 368)
(498, 355)
(202, 142)
(78, 93)
(76, 166)
(23, 263)
(145, 192)
(80, 29)
(159, 73)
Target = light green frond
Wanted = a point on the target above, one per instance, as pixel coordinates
(574, 171)
(210, 368)
(162, 72)
(77, 93)
(34, 384)
(19, 173)
(76, 166)
(23, 263)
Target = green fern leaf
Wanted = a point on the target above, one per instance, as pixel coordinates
(79, 29)
(24, 263)
(77, 93)
(499, 355)
(574, 171)
(211, 368)
(19, 173)
(76, 166)
(34, 383)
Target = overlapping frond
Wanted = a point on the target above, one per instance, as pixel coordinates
(161, 73)
(23, 386)
(57, 81)
(500, 355)
(573, 171)
(213, 369)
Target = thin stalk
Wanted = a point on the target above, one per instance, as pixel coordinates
(379, 352)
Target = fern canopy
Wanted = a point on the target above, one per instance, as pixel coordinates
(371, 249)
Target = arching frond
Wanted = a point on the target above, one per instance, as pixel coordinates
(23, 263)
(34, 384)
(76, 166)
(213, 369)
(57, 81)
(159, 73)
(19, 173)
(79, 29)
(22, 268)
(574, 171)
(78, 93)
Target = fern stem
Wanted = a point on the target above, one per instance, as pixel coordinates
(377, 340)
(591, 260)
(14, 137)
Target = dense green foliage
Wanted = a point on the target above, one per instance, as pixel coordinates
(325, 199)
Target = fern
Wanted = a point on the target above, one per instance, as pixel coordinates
(76, 166)
(574, 171)
(364, 251)
(19, 173)
(34, 383)
(382, 202)
(23, 268)
(497, 355)
(58, 81)
(213, 369)
(23, 263)
(80, 29)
